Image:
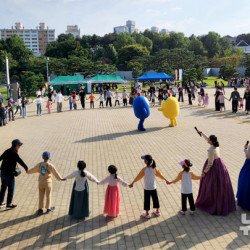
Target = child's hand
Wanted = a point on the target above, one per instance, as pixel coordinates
(168, 182)
(63, 179)
(131, 185)
(203, 175)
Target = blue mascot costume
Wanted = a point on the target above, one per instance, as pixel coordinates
(141, 110)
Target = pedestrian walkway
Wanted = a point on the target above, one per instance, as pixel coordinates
(109, 136)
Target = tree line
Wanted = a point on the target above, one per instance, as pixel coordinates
(138, 52)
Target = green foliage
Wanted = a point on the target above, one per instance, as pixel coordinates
(227, 72)
(239, 52)
(65, 37)
(129, 52)
(212, 44)
(190, 75)
(247, 72)
(136, 68)
(234, 61)
(196, 46)
(30, 82)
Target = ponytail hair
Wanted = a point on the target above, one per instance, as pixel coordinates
(112, 170)
(150, 161)
(81, 166)
(214, 140)
(187, 165)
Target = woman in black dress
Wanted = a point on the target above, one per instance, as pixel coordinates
(247, 97)
(217, 102)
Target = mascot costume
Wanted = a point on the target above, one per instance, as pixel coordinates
(170, 109)
(141, 110)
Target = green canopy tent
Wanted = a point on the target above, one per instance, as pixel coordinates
(71, 81)
(107, 79)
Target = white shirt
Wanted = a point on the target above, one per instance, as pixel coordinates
(221, 98)
(38, 93)
(59, 97)
(113, 182)
(124, 95)
(149, 179)
(80, 181)
(101, 98)
(117, 97)
(186, 183)
(39, 100)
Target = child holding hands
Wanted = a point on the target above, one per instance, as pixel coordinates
(186, 178)
(149, 173)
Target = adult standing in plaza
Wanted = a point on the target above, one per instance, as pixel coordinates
(1, 99)
(202, 94)
(59, 99)
(82, 96)
(108, 96)
(9, 159)
(235, 97)
(10, 107)
(247, 98)
(216, 194)
(243, 192)
(217, 102)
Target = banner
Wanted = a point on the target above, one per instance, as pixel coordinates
(176, 75)
(180, 74)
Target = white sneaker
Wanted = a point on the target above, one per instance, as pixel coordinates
(191, 212)
(182, 212)
(146, 216)
(157, 213)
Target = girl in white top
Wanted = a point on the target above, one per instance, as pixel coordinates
(79, 203)
(117, 97)
(186, 178)
(112, 198)
(149, 173)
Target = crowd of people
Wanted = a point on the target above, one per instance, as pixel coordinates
(220, 200)
(155, 95)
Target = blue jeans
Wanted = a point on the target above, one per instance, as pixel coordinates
(7, 182)
(24, 112)
(39, 108)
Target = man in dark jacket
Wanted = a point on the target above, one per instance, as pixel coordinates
(235, 97)
(82, 96)
(9, 160)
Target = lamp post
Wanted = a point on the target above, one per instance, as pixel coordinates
(7, 76)
(47, 67)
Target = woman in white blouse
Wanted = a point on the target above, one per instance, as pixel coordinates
(216, 194)
(243, 194)
(79, 203)
(112, 197)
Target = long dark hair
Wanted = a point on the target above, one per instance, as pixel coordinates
(150, 161)
(214, 140)
(81, 166)
(112, 170)
(187, 165)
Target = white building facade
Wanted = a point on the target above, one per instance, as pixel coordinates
(73, 29)
(36, 40)
(121, 29)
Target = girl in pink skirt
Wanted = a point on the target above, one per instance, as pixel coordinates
(112, 197)
(49, 106)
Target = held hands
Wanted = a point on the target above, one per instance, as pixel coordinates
(63, 179)
(168, 182)
(203, 175)
(131, 185)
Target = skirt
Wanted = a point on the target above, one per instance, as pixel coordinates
(216, 194)
(243, 194)
(79, 202)
(112, 201)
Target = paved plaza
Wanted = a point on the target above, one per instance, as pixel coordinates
(109, 136)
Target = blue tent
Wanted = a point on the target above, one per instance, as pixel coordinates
(154, 77)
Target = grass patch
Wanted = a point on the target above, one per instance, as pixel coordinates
(210, 81)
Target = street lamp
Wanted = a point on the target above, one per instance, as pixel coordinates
(47, 66)
(7, 75)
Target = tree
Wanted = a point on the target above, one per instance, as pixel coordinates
(190, 75)
(30, 82)
(239, 52)
(123, 40)
(136, 69)
(225, 45)
(247, 72)
(111, 53)
(196, 46)
(127, 53)
(227, 72)
(65, 37)
(212, 44)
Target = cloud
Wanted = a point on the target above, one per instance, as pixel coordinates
(176, 9)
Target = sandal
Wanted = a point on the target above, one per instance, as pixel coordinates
(11, 206)
(2, 205)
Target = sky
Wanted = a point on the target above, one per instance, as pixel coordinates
(198, 17)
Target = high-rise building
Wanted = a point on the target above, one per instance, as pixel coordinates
(155, 29)
(131, 26)
(73, 29)
(35, 39)
(120, 29)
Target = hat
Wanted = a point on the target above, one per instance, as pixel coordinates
(46, 155)
(143, 157)
(16, 142)
(185, 163)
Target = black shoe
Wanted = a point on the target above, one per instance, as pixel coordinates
(39, 212)
(11, 206)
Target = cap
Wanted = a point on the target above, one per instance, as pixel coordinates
(138, 94)
(16, 142)
(181, 163)
(143, 157)
(46, 155)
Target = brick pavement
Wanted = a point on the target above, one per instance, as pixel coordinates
(109, 136)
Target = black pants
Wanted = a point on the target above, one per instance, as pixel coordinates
(75, 106)
(235, 106)
(117, 101)
(125, 102)
(2, 122)
(101, 104)
(153, 194)
(108, 102)
(18, 108)
(190, 99)
(83, 103)
(12, 112)
(180, 98)
(190, 198)
(91, 104)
